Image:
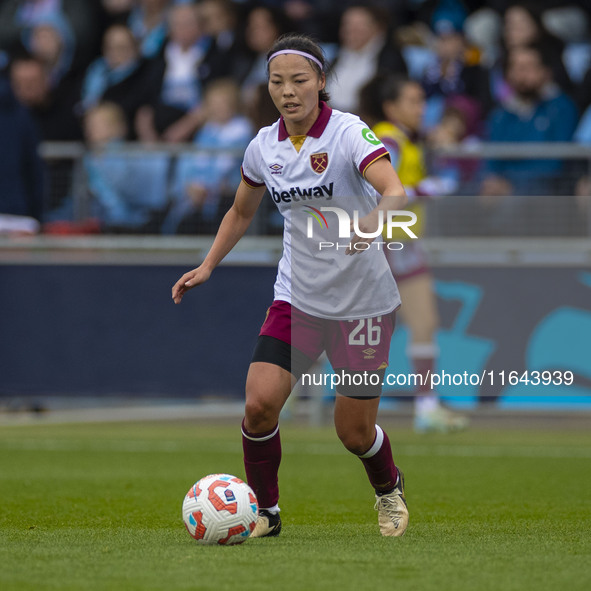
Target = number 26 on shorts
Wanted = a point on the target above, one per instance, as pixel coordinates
(366, 332)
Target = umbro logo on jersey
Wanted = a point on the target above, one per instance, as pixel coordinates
(299, 194)
(276, 168)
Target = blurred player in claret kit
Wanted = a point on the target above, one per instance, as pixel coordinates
(400, 104)
(346, 297)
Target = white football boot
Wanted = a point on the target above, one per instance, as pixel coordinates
(268, 525)
(439, 420)
(392, 510)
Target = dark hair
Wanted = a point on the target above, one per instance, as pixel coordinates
(544, 54)
(542, 35)
(306, 44)
(381, 88)
(545, 42)
(276, 15)
(378, 13)
(370, 102)
(393, 86)
(21, 55)
(122, 27)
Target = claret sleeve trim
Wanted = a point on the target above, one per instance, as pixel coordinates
(249, 181)
(371, 158)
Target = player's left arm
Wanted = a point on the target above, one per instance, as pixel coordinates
(383, 178)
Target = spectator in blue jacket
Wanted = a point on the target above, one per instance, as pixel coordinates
(129, 190)
(120, 75)
(148, 21)
(204, 183)
(81, 31)
(52, 41)
(537, 111)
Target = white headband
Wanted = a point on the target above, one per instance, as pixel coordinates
(296, 52)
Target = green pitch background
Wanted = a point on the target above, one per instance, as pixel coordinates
(98, 507)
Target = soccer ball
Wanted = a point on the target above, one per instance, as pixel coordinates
(220, 509)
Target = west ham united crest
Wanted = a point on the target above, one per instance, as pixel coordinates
(319, 162)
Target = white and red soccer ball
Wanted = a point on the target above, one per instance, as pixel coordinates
(220, 509)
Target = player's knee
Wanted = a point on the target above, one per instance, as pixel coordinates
(260, 414)
(357, 441)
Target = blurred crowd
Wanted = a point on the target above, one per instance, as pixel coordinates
(157, 72)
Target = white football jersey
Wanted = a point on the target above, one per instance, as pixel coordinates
(314, 273)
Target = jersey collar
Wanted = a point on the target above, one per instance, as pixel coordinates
(317, 128)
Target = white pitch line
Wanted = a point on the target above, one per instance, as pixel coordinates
(124, 414)
(476, 451)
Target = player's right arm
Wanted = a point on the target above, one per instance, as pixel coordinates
(232, 228)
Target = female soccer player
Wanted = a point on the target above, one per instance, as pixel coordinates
(334, 292)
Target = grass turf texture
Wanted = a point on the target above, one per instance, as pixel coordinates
(98, 507)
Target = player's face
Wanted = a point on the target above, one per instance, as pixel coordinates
(294, 87)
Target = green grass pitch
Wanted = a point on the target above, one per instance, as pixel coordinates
(98, 507)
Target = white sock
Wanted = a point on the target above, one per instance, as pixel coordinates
(426, 403)
(377, 444)
(274, 509)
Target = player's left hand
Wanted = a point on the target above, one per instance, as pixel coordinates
(367, 224)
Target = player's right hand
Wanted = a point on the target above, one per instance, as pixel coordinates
(189, 281)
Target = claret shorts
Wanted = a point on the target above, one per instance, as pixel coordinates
(294, 340)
